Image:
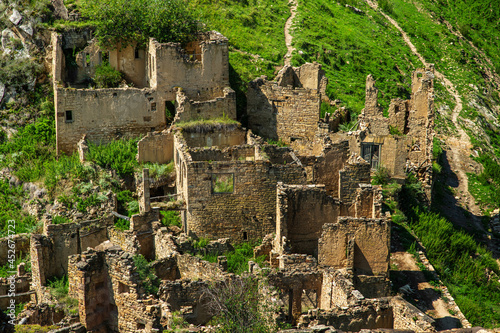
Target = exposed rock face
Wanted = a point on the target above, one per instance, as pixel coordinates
(60, 11)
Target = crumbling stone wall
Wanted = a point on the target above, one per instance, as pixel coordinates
(201, 70)
(355, 171)
(282, 112)
(110, 294)
(327, 166)
(193, 268)
(301, 212)
(288, 108)
(21, 244)
(368, 314)
(156, 147)
(225, 136)
(187, 297)
(104, 115)
(337, 290)
(131, 61)
(50, 251)
(408, 317)
(359, 243)
(220, 106)
(247, 210)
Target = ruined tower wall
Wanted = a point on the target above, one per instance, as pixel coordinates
(104, 115)
(366, 240)
(327, 167)
(202, 75)
(354, 173)
(156, 148)
(220, 106)
(131, 62)
(283, 113)
(301, 213)
(220, 138)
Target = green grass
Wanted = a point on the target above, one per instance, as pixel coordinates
(59, 288)
(118, 155)
(463, 265)
(237, 260)
(171, 218)
(6, 269)
(205, 124)
(11, 203)
(351, 46)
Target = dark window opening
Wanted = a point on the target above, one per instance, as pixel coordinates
(69, 116)
(245, 236)
(169, 111)
(136, 53)
(153, 107)
(141, 326)
(223, 183)
(87, 59)
(371, 154)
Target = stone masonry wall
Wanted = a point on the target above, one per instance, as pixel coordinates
(157, 147)
(302, 211)
(202, 76)
(249, 211)
(408, 317)
(369, 314)
(110, 295)
(283, 113)
(369, 240)
(21, 244)
(355, 171)
(104, 115)
(221, 106)
(225, 137)
(329, 163)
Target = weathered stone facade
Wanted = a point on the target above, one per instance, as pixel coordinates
(196, 76)
(246, 208)
(288, 108)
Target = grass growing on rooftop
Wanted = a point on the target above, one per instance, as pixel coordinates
(202, 125)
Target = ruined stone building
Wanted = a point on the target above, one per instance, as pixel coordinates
(325, 234)
(197, 76)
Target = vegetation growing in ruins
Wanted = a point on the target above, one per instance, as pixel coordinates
(202, 125)
(238, 305)
(35, 328)
(237, 260)
(59, 288)
(150, 281)
(107, 77)
(118, 155)
(170, 218)
(135, 21)
(6, 269)
(60, 220)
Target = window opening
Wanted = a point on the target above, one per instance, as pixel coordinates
(223, 183)
(371, 154)
(69, 116)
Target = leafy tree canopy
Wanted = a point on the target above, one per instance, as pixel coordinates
(131, 21)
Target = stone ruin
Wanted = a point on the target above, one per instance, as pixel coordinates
(325, 236)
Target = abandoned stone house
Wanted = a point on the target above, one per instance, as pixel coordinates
(196, 75)
(311, 202)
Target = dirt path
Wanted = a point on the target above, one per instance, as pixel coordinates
(288, 37)
(428, 298)
(458, 149)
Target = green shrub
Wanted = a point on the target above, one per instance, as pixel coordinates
(117, 155)
(60, 220)
(239, 305)
(107, 77)
(381, 176)
(171, 218)
(150, 281)
(122, 224)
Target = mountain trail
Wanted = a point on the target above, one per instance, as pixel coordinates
(458, 148)
(288, 36)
